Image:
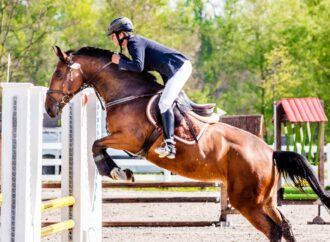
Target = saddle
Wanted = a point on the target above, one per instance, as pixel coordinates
(204, 110)
(191, 119)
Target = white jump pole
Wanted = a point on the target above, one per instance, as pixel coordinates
(80, 128)
(21, 117)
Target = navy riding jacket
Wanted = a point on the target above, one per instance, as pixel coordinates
(150, 55)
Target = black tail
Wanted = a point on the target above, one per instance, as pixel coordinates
(294, 166)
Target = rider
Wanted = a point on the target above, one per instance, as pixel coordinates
(174, 67)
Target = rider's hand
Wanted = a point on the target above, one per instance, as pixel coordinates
(115, 58)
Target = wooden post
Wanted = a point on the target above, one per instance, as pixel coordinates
(327, 183)
(321, 155)
(278, 142)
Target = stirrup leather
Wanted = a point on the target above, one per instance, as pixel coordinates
(167, 149)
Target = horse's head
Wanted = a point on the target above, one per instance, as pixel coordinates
(67, 80)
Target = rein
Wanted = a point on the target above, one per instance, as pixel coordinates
(126, 99)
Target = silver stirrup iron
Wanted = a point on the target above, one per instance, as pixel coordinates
(164, 150)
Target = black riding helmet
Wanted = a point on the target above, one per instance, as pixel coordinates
(121, 24)
(118, 25)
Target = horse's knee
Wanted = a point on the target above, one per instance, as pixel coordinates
(96, 148)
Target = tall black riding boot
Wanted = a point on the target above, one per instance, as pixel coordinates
(168, 147)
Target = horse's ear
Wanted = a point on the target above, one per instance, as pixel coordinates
(61, 55)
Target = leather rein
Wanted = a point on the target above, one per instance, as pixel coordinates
(66, 97)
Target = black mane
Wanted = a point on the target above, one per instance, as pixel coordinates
(106, 54)
(93, 52)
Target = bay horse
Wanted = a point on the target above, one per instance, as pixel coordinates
(248, 167)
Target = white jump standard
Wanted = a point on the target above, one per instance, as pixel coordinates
(22, 161)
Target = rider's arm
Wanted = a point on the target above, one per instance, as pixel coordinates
(137, 51)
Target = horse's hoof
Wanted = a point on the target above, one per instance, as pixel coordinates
(123, 175)
(129, 175)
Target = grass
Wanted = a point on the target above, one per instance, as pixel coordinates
(292, 193)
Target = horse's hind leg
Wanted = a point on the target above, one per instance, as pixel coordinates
(287, 229)
(277, 216)
(262, 222)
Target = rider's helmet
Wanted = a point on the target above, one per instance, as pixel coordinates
(121, 24)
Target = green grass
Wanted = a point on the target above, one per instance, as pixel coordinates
(292, 193)
(293, 190)
(299, 196)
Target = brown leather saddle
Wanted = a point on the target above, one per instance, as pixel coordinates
(205, 110)
(188, 127)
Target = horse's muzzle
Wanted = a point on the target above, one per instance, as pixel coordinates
(53, 109)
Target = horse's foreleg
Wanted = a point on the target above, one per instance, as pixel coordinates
(105, 164)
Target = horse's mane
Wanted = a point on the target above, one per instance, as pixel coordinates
(93, 52)
(107, 54)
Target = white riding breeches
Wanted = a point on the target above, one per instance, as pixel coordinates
(174, 86)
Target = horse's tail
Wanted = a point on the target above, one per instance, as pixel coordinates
(295, 167)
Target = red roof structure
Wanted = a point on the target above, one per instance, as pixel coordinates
(303, 109)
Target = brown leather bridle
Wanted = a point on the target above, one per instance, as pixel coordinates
(66, 97)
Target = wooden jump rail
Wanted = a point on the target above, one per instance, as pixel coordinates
(57, 203)
(162, 200)
(56, 228)
(199, 199)
(158, 184)
(57, 185)
(108, 224)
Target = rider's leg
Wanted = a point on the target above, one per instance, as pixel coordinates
(168, 147)
(170, 93)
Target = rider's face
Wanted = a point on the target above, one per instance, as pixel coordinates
(114, 39)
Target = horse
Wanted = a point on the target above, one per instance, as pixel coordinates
(247, 166)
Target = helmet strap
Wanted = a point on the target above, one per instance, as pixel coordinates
(120, 41)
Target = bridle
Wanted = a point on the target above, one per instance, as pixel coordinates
(87, 82)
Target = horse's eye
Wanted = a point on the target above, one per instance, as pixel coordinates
(58, 74)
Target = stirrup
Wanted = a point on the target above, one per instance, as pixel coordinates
(167, 149)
